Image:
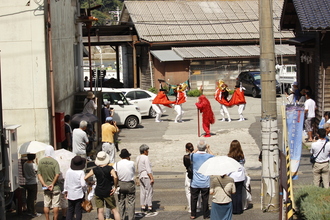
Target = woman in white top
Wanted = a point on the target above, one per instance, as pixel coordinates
(74, 187)
(90, 103)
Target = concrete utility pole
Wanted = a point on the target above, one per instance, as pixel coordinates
(270, 154)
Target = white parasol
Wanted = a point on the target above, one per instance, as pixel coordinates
(64, 158)
(219, 165)
(32, 147)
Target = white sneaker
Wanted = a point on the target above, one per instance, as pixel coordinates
(223, 119)
(158, 121)
(89, 158)
(229, 120)
(241, 119)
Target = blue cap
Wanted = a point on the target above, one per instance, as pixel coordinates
(108, 119)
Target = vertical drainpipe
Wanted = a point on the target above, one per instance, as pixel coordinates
(134, 63)
(151, 72)
(51, 73)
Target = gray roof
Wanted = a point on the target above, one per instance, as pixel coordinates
(166, 55)
(313, 14)
(167, 21)
(229, 51)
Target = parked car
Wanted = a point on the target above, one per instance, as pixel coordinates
(125, 113)
(141, 98)
(251, 82)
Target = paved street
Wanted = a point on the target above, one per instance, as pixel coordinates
(167, 140)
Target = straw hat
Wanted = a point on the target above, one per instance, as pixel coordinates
(90, 95)
(102, 158)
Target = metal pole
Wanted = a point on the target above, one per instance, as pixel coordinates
(51, 73)
(270, 153)
(89, 58)
(198, 124)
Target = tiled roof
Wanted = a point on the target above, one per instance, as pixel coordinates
(313, 14)
(229, 51)
(169, 21)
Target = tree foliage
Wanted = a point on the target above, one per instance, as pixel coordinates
(103, 13)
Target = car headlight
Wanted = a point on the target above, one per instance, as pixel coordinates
(137, 109)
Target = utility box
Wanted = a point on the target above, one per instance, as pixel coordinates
(11, 157)
(59, 126)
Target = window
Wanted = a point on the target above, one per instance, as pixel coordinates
(130, 95)
(114, 97)
(142, 95)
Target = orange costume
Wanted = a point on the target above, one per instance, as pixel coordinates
(221, 95)
(204, 107)
(160, 99)
(180, 99)
(238, 98)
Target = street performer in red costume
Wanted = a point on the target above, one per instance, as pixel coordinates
(204, 106)
(160, 99)
(238, 98)
(180, 99)
(221, 95)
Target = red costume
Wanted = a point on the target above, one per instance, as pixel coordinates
(204, 107)
(238, 97)
(162, 99)
(181, 97)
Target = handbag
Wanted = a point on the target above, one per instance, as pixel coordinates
(312, 159)
(87, 204)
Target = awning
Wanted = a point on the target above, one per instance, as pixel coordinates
(301, 40)
(166, 55)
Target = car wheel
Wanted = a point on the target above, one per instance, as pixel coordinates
(254, 93)
(152, 113)
(131, 121)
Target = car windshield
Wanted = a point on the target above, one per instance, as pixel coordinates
(257, 78)
(114, 97)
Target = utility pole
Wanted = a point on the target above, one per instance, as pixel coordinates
(269, 132)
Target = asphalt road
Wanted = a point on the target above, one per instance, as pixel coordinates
(167, 146)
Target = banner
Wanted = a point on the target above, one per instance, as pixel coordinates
(295, 122)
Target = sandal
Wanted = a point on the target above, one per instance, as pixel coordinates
(192, 217)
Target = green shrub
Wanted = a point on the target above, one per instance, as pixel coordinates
(312, 203)
(194, 93)
(153, 90)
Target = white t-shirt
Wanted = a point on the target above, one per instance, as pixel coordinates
(310, 106)
(324, 154)
(125, 170)
(79, 141)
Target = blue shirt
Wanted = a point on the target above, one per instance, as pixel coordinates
(199, 180)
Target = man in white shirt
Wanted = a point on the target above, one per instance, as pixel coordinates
(125, 170)
(80, 140)
(310, 107)
(321, 166)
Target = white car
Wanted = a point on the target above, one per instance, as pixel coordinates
(125, 113)
(141, 98)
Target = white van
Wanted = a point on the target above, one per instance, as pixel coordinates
(125, 113)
